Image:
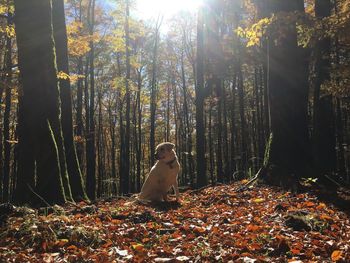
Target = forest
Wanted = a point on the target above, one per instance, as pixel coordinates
(253, 96)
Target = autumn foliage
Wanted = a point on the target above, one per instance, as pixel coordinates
(216, 224)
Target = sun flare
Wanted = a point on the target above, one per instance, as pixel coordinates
(166, 8)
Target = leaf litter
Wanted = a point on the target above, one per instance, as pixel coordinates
(216, 224)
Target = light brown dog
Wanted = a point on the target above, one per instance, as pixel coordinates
(162, 176)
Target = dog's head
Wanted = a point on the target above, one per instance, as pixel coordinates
(165, 151)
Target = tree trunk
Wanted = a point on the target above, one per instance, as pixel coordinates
(241, 104)
(322, 74)
(219, 171)
(199, 89)
(154, 93)
(326, 156)
(225, 137)
(79, 115)
(139, 132)
(233, 128)
(187, 129)
(8, 90)
(40, 137)
(288, 100)
(90, 142)
(126, 175)
(60, 37)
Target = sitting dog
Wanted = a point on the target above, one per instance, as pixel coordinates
(162, 176)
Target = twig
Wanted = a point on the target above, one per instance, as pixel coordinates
(42, 199)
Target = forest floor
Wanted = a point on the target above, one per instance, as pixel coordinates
(216, 224)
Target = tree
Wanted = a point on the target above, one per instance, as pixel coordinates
(8, 97)
(41, 148)
(60, 37)
(289, 154)
(153, 103)
(324, 154)
(90, 137)
(125, 177)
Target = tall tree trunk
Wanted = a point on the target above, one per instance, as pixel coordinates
(326, 157)
(241, 104)
(139, 132)
(60, 37)
(211, 147)
(200, 131)
(259, 126)
(100, 148)
(79, 114)
(154, 92)
(340, 139)
(167, 133)
(8, 90)
(90, 142)
(288, 97)
(112, 124)
(187, 129)
(41, 146)
(322, 74)
(126, 175)
(225, 137)
(219, 171)
(233, 128)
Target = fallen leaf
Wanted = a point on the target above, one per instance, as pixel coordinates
(163, 259)
(336, 255)
(259, 200)
(182, 258)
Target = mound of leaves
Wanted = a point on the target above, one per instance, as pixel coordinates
(216, 224)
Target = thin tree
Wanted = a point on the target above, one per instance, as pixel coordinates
(60, 37)
(153, 102)
(90, 143)
(200, 95)
(8, 90)
(125, 177)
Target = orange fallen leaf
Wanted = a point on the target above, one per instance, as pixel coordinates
(326, 217)
(107, 244)
(321, 206)
(336, 255)
(309, 204)
(295, 251)
(137, 247)
(253, 228)
(255, 246)
(61, 242)
(72, 247)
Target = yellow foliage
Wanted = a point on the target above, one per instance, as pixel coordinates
(3, 9)
(63, 75)
(72, 78)
(9, 31)
(78, 39)
(255, 32)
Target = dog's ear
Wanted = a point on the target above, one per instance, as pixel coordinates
(170, 146)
